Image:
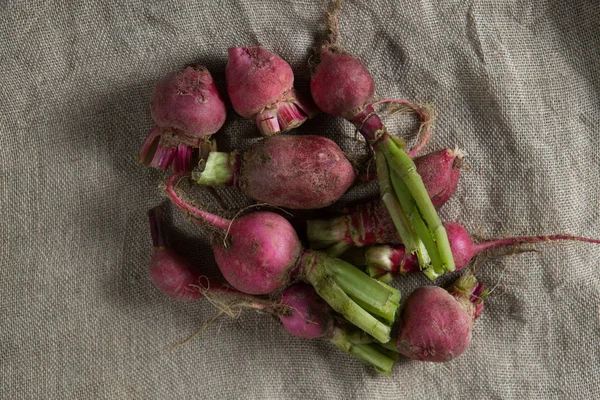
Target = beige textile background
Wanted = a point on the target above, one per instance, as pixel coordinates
(515, 83)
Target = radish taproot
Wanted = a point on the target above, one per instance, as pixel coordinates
(187, 109)
(261, 253)
(297, 172)
(260, 85)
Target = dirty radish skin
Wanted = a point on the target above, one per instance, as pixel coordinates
(369, 223)
(385, 262)
(297, 172)
(261, 253)
(436, 324)
(260, 85)
(187, 109)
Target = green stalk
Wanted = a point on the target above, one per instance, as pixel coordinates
(378, 299)
(218, 170)
(323, 233)
(401, 163)
(337, 249)
(409, 206)
(393, 206)
(314, 271)
(368, 353)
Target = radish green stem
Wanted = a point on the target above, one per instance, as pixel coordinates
(318, 269)
(399, 161)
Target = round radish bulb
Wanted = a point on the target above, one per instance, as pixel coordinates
(187, 109)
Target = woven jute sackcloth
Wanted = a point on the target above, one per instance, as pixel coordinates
(515, 84)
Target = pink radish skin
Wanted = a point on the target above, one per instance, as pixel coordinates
(314, 171)
(187, 109)
(440, 172)
(260, 86)
(436, 325)
(264, 251)
(173, 275)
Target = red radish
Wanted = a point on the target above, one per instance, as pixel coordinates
(385, 262)
(309, 316)
(261, 87)
(440, 171)
(172, 274)
(436, 325)
(261, 253)
(187, 109)
(297, 172)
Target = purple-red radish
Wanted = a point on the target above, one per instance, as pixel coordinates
(384, 261)
(261, 253)
(297, 172)
(260, 85)
(440, 171)
(187, 109)
(172, 274)
(435, 324)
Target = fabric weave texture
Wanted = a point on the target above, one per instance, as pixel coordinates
(515, 85)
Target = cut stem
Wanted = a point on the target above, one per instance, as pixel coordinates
(336, 281)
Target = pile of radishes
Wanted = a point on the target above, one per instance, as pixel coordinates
(339, 285)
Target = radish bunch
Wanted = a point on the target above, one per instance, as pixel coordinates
(338, 288)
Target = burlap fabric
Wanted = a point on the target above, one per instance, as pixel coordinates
(515, 84)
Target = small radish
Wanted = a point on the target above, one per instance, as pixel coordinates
(172, 274)
(436, 324)
(261, 87)
(261, 253)
(297, 172)
(187, 109)
(305, 315)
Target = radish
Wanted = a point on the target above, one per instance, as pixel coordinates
(172, 274)
(342, 86)
(297, 172)
(384, 262)
(261, 87)
(370, 223)
(261, 253)
(187, 109)
(436, 325)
